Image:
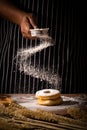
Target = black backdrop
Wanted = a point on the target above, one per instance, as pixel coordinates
(67, 26)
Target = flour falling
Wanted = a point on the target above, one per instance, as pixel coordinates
(25, 66)
(44, 43)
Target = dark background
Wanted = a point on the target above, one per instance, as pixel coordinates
(66, 20)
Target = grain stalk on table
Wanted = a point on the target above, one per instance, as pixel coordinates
(18, 114)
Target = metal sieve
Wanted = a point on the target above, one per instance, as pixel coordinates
(39, 32)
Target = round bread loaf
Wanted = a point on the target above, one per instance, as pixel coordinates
(48, 94)
(50, 102)
(48, 97)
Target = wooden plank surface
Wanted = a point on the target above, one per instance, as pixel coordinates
(29, 101)
(69, 100)
(28, 118)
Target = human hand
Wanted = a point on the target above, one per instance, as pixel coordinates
(28, 22)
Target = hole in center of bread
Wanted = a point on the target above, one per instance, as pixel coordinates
(47, 91)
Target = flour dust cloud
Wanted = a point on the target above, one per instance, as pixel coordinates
(24, 55)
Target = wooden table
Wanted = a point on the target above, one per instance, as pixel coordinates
(39, 119)
(29, 101)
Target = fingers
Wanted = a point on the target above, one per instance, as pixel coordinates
(32, 20)
(27, 23)
(25, 28)
(25, 35)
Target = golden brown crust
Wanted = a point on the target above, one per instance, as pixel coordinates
(48, 94)
(50, 102)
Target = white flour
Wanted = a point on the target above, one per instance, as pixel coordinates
(30, 102)
(24, 54)
(39, 73)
